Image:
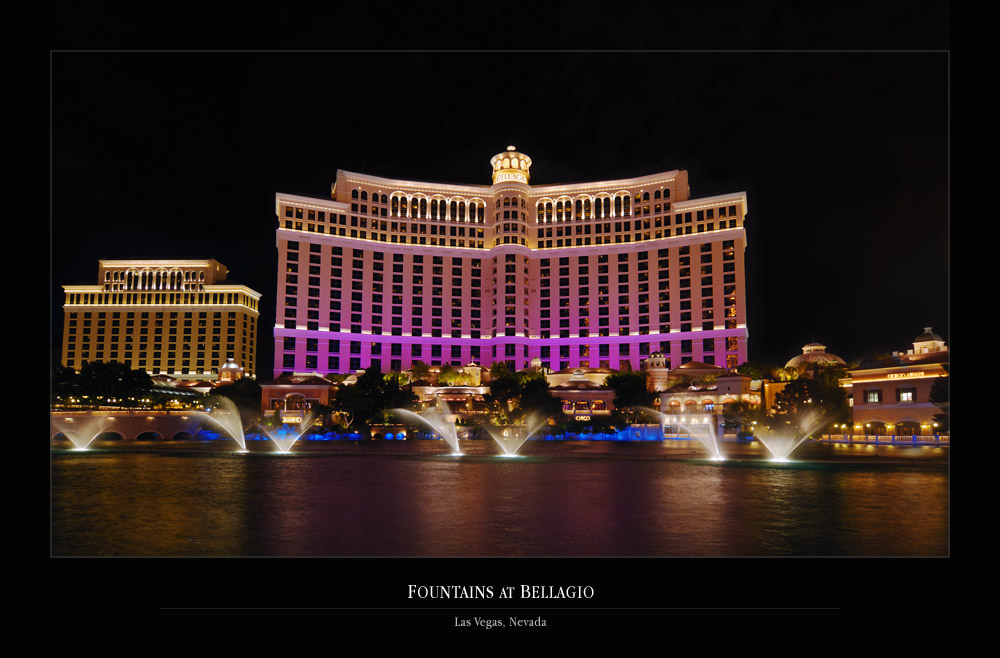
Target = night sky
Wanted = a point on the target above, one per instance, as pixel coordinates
(843, 156)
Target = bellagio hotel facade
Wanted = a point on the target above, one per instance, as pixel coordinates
(588, 275)
(179, 318)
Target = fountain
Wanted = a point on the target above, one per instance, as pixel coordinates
(437, 420)
(781, 445)
(82, 431)
(225, 414)
(284, 437)
(512, 437)
(707, 437)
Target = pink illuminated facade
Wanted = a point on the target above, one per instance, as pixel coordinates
(588, 275)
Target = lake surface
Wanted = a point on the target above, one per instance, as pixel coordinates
(563, 499)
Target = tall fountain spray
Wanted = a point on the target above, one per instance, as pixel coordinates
(284, 437)
(224, 413)
(705, 433)
(82, 431)
(438, 421)
(781, 444)
(512, 437)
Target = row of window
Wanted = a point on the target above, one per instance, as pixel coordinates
(875, 395)
(544, 212)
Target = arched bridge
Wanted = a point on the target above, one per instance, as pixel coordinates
(128, 424)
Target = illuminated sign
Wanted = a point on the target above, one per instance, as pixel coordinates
(901, 375)
(510, 176)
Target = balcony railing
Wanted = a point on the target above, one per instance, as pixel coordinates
(897, 439)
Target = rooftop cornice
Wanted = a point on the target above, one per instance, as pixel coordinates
(189, 262)
(416, 186)
(536, 190)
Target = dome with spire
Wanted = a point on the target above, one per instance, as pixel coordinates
(928, 342)
(814, 353)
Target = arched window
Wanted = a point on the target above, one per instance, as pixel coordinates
(383, 198)
(666, 193)
(354, 194)
(423, 207)
(364, 195)
(618, 206)
(645, 196)
(628, 206)
(506, 201)
(656, 194)
(579, 208)
(461, 209)
(607, 207)
(600, 405)
(395, 207)
(454, 210)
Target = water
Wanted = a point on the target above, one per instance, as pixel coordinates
(703, 433)
(511, 438)
(561, 499)
(81, 431)
(440, 421)
(226, 415)
(285, 437)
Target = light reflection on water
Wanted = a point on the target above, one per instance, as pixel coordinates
(223, 504)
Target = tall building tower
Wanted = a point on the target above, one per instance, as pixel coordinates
(175, 317)
(600, 274)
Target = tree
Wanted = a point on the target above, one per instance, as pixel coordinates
(940, 395)
(419, 370)
(447, 376)
(372, 393)
(756, 370)
(246, 394)
(100, 381)
(534, 397)
(740, 415)
(631, 391)
(503, 395)
(812, 405)
(64, 383)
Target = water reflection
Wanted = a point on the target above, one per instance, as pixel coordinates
(224, 504)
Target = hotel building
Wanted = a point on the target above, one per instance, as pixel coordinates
(891, 396)
(172, 317)
(388, 272)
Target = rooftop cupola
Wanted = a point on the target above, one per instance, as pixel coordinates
(511, 166)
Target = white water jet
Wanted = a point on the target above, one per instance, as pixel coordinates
(82, 431)
(706, 436)
(437, 420)
(285, 437)
(512, 437)
(224, 413)
(781, 445)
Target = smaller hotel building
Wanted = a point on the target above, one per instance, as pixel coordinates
(180, 318)
(891, 397)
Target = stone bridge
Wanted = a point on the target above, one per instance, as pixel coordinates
(131, 425)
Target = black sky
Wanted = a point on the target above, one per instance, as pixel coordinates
(843, 156)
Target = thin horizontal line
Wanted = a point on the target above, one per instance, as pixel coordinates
(410, 609)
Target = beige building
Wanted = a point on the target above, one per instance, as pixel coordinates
(891, 397)
(180, 318)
